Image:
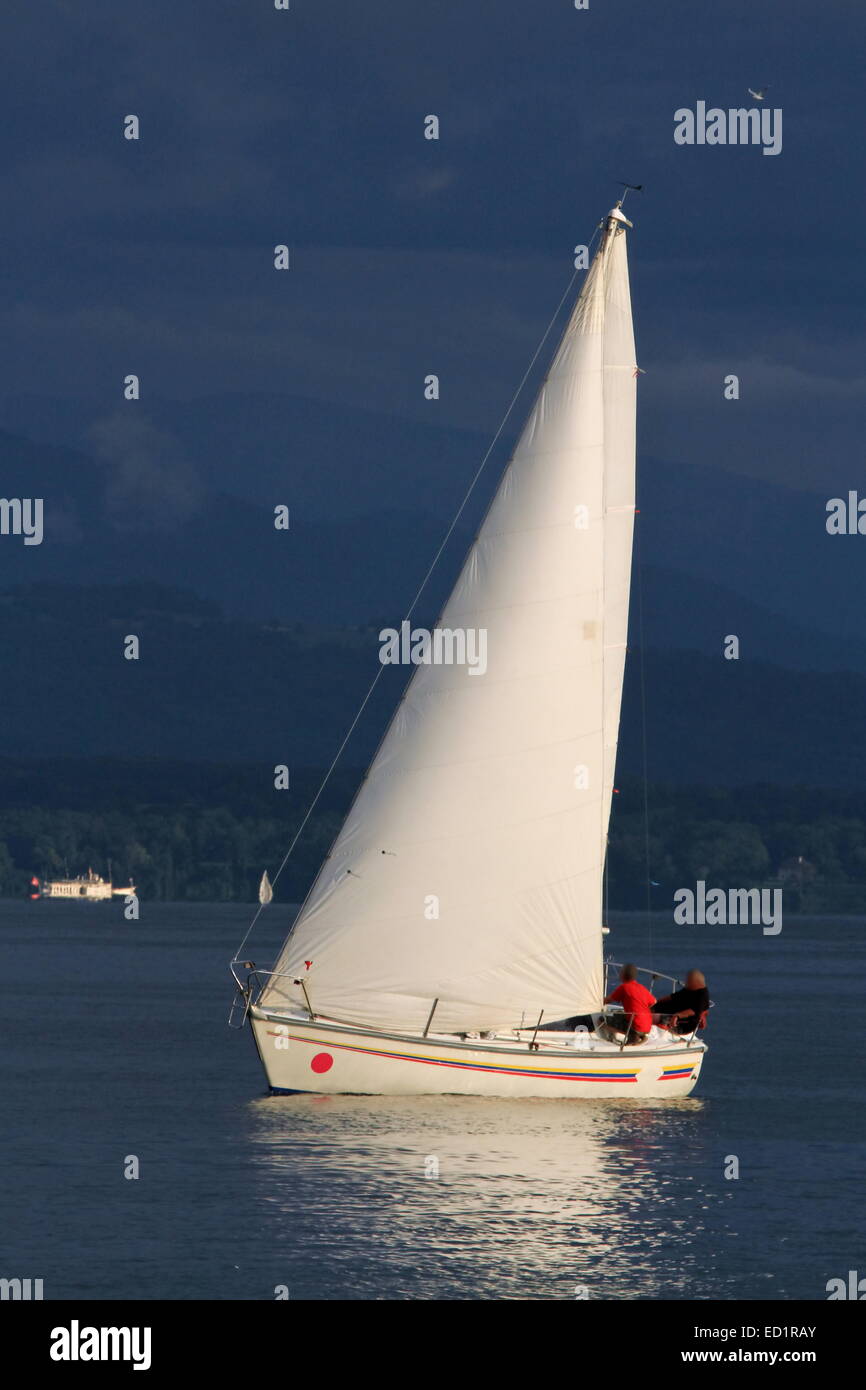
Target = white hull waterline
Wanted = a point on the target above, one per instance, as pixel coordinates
(303, 1055)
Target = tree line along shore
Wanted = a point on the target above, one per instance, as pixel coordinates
(205, 832)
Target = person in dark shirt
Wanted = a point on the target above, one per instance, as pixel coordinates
(681, 1011)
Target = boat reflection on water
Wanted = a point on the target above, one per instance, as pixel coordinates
(413, 1197)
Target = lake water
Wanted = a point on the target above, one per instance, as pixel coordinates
(115, 1043)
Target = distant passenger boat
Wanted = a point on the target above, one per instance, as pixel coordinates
(89, 887)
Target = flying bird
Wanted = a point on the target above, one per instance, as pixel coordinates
(759, 94)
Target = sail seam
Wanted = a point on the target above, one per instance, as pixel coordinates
(511, 825)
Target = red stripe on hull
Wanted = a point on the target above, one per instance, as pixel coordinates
(621, 1077)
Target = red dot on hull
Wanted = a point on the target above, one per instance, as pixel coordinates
(323, 1061)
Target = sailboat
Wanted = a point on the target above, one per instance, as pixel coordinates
(266, 891)
(459, 912)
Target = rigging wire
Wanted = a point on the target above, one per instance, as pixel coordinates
(419, 592)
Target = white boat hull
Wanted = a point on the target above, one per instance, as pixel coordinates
(303, 1055)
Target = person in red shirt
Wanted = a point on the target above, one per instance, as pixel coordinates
(636, 1000)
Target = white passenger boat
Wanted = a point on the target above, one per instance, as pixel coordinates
(89, 887)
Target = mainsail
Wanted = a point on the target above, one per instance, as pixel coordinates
(469, 868)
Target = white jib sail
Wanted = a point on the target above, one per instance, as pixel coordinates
(469, 868)
(266, 892)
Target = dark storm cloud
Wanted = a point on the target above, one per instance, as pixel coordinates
(411, 256)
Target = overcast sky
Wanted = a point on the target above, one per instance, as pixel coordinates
(412, 256)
